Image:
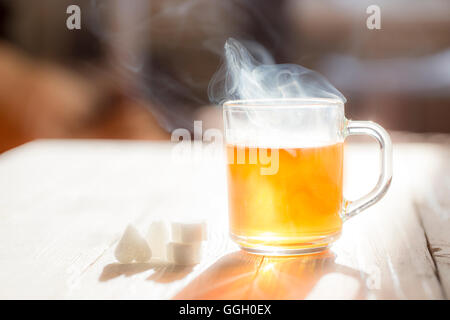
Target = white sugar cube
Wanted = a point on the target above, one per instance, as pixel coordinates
(188, 232)
(158, 236)
(184, 253)
(132, 247)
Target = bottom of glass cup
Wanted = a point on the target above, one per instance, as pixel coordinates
(290, 246)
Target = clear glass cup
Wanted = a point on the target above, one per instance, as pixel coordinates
(285, 173)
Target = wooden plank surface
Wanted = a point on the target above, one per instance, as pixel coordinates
(64, 204)
(432, 200)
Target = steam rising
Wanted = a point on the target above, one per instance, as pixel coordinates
(244, 77)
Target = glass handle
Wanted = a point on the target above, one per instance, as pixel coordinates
(374, 130)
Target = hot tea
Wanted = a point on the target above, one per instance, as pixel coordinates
(297, 205)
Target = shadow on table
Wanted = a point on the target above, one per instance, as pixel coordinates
(170, 273)
(240, 275)
(163, 272)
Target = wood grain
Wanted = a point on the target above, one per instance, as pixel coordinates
(64, 205)
(433, 207)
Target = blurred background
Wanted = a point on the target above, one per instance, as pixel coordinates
(138, 69)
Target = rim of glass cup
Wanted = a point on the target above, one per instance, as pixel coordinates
(283, 103)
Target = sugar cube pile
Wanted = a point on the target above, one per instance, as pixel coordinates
(175, 242)
(186, 245)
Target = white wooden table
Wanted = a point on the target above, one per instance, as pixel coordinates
(64, 205)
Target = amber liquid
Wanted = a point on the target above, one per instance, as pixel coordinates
(298, 206)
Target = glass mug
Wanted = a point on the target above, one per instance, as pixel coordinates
(285, 173)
